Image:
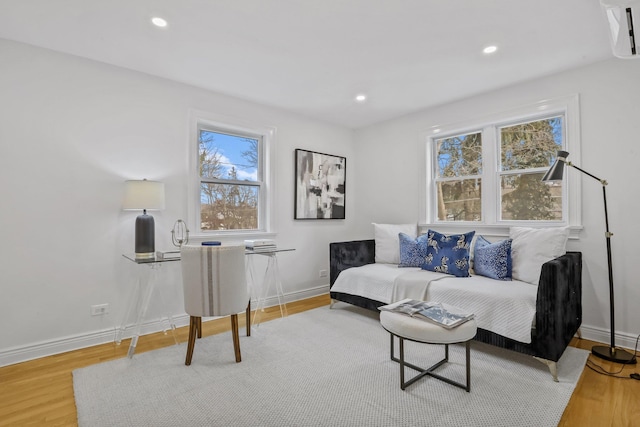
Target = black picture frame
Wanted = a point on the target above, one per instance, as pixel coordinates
(320, 187)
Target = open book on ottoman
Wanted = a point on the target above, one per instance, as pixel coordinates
(429, 311)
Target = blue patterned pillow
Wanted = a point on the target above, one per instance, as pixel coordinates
(412, 251)
(448, 254)
(492, 259)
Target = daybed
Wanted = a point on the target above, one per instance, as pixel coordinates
(557, 311)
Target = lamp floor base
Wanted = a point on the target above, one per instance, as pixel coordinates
(617, 355)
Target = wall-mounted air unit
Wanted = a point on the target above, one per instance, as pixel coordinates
(622, 15)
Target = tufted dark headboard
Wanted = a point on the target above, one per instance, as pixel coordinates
(343, 255)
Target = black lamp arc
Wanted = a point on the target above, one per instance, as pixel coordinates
(611, 352)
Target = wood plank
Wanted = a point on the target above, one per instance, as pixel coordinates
(40, 392)
(602, 400)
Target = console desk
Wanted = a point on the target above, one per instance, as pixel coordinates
(141, 296)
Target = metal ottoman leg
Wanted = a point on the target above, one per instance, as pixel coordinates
(429, 371)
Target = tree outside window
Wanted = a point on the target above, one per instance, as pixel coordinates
(524, 152)
(459, 177)
(230, 180)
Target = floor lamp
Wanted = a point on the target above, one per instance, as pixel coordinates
(605, 352)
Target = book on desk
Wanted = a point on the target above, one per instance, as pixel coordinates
(164, 255)
(260, 245)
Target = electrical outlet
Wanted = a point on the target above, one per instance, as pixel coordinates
(99, 309)
(323, 273)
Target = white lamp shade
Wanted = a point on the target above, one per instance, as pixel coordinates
(143, 195)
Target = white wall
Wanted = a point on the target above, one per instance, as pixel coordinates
(390, 161)
(71, 132)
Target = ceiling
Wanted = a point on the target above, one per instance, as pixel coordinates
(313, 56)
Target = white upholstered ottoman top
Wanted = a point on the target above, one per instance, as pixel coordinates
(424, 331)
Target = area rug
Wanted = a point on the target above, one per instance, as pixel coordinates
(323, 367)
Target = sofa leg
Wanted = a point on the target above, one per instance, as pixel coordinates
(332, 302)
(579, 333)
(553, 367)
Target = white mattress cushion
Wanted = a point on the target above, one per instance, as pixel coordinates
(506, 308)
(373, 281)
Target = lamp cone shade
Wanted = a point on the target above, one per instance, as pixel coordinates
(556, 171)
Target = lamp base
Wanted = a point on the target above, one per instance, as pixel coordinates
(145, 236)
(614, 354)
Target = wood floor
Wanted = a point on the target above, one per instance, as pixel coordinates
(40, 392)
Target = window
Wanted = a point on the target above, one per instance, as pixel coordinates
(459, 176)
(230, 190)
(230, 180)
(490, 173)
(527, 150)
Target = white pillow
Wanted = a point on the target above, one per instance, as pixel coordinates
(532, 247)
(388, 243)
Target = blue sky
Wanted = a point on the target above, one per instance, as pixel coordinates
(230, 148)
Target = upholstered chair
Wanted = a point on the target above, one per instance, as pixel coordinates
(214, 283)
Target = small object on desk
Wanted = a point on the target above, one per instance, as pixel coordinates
(260, 245)
(259, 242)
(168, 254)
(180, 234)
(263, 249)
(211, 243)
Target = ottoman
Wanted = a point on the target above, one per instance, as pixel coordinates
(408, 328)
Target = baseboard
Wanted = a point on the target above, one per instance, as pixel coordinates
(48, 348)
(299, 295)
(63, 345)
(624, 340)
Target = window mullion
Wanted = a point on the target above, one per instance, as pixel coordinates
(458, 178)
(490, 181)
(230, 182)
(522, 171)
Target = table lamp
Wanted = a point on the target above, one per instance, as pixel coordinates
(611, 353)
(145, 195)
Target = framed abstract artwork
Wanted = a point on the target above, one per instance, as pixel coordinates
(320, 185)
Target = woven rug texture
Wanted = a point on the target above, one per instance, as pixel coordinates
(323, 367)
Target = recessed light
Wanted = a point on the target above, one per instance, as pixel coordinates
(490, 49)
(361, 97)
(159, 22)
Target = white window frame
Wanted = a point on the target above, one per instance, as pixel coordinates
(491, 224)
(234, 126)
(434, 172)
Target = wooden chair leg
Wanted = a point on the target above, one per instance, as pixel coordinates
(236, 337)
(248, 319)
(193, 331)
(199, 326)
